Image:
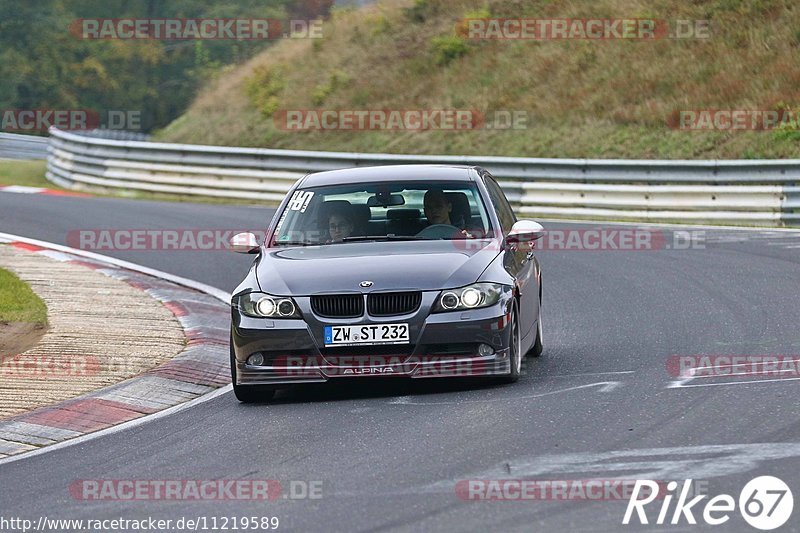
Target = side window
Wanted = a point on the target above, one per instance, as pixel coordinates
(501, 206)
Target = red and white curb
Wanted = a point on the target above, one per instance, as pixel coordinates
(199, 371)
(22, 189)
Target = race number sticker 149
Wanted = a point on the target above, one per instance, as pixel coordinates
(300, 200)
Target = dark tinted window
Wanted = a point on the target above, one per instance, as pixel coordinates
(340, 213)
(501, 206)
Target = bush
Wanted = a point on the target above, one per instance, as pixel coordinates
(789, 130)
(324, 90)
(446, 49)
(462, 29)
(418, 12)
(263, 88)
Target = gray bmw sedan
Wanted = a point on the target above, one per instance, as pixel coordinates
(418, 271)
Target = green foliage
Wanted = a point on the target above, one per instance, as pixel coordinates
(47, 66)
(418, 12)
(480, 13)
(447, 48)
(263, 88)
(789, 129)
(18, 303)
(322, 91)
(462, 26)
(379, 25)
(27, 173)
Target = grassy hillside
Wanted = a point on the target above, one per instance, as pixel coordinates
(585, 98)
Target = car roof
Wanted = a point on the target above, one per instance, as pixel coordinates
(390, 173)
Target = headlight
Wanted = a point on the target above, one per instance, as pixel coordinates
(470, 297)
(261, 305)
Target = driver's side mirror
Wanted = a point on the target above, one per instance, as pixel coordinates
(523, 233)
(244, 243)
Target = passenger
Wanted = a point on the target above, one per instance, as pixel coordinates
(340, 225)
(437, 207)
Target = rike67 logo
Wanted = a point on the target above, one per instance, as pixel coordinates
(765, 503)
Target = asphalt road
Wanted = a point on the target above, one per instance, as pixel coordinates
(389, 455)
(16, 146)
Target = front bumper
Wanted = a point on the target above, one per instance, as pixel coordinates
(441, 345)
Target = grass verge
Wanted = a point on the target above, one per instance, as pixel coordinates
(27, 173)
(18, 303)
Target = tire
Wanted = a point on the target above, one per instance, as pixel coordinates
(515, 350)
(537, 348)
(249, 393)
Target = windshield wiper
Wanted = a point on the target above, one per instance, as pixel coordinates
(295, 243)
(390, 237)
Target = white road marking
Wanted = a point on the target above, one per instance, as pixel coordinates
(22, 189)
(402, 400)
(678, 383)
(610, 386)
(605, 386)
(591, 374)
(748, 382)
(739, 374)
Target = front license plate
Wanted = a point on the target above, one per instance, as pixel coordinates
(369, 334)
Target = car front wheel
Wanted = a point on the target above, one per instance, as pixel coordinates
(514, 349)
(537, 348)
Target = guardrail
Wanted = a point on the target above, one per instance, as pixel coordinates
(15, 146)
(750, 192)
(117, 135)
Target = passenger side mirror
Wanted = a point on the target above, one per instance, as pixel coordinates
(244, 243)
(523, 233)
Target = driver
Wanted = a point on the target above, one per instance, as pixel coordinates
(340, 225)
(437, 207)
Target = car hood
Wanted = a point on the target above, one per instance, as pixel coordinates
(396, 265)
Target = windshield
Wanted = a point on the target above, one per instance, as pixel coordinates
(383, 211)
